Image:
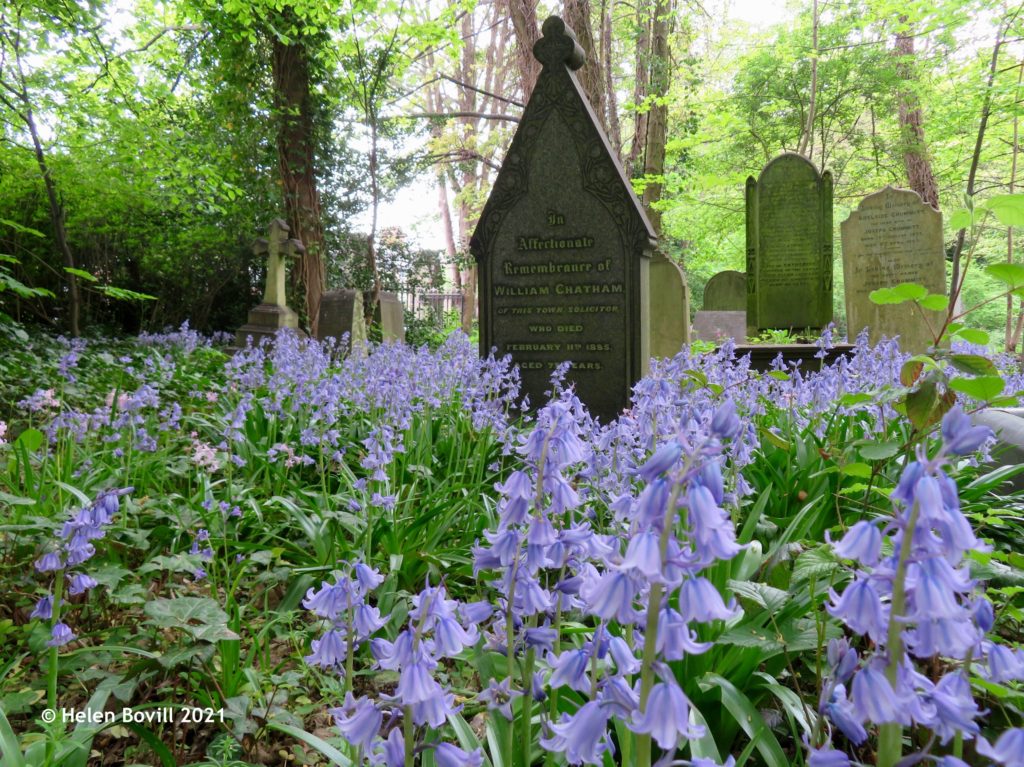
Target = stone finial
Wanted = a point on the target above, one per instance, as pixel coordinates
(558, 45)
(277, 247)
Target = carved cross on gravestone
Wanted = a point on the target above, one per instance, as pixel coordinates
(277, 248)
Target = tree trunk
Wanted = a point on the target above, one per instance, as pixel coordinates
(577, 16)
(524, 20)
(986, 109)
(296, 141)
(657, 119)
(806, 144)
(915, 149)
(1012, 329)
(57, 220)
(610, 102)
(640, 87)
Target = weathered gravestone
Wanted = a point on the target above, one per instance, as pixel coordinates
(670, 306)
(391, 315)
(719, 325)
(563, 245)
(726, 292)
(789, 246)
(341, 312)
(273, 313)
(892, 237)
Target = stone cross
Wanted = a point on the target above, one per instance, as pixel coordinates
(277, 247)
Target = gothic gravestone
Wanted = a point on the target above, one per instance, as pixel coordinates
(789, 246)
(273, 313)
(341, 312)
(726, 292)
(563, 245)
(892, 237)
(670, 307)
(720, 325)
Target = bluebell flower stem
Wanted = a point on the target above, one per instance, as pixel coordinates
(527, 714)
(408, 733)
(53, 660)
(890, 737)
(643, 741)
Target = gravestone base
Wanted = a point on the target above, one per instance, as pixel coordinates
(719, 325)
(264, 322)
(762, 355)
(1008, 426)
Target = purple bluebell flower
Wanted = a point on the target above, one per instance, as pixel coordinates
(448, 755)
(959, 435)
(80, 583)
(581, 736)
(359, 721)
(60, 635)
(862, 542)
(329, 651)
(666, 716)
(48, 562)
(43, 609)
(1008, 750)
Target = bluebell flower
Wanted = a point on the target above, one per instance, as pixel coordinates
(329, 651)
(48, 562)
(862, 542)
(959, 435)
(80, 583)
(448, 755)
(874, 698)
(582, 736)
(827, 757)
(1008, 749)
(60, 635)
(666, 717)
(840, 710)
(331, 600)
(43, 609)
(359, 721)
(861, 608)
(663, 459)
(725, 424)
(700, 601)
(570, 668)
(611, 597)
(499, 696)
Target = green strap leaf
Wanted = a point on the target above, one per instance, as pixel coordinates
(748, 718)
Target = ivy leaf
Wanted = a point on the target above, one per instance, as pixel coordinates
(982, 388)
(936, 302)
(905, 291)
(81, 273)
(1009, 208)
(123, 294)
(974, 364)
(962, 219)
(879, 451)
(920, 403)
(910, 372)
(199, 616)
(973, 336)
(1011, 275)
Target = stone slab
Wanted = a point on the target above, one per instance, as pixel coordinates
(893, 237)
(717, 326)
(341, 311)
(670, 307)
(563, 246)
(789, 246)
(390, 314)
(726, 292)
